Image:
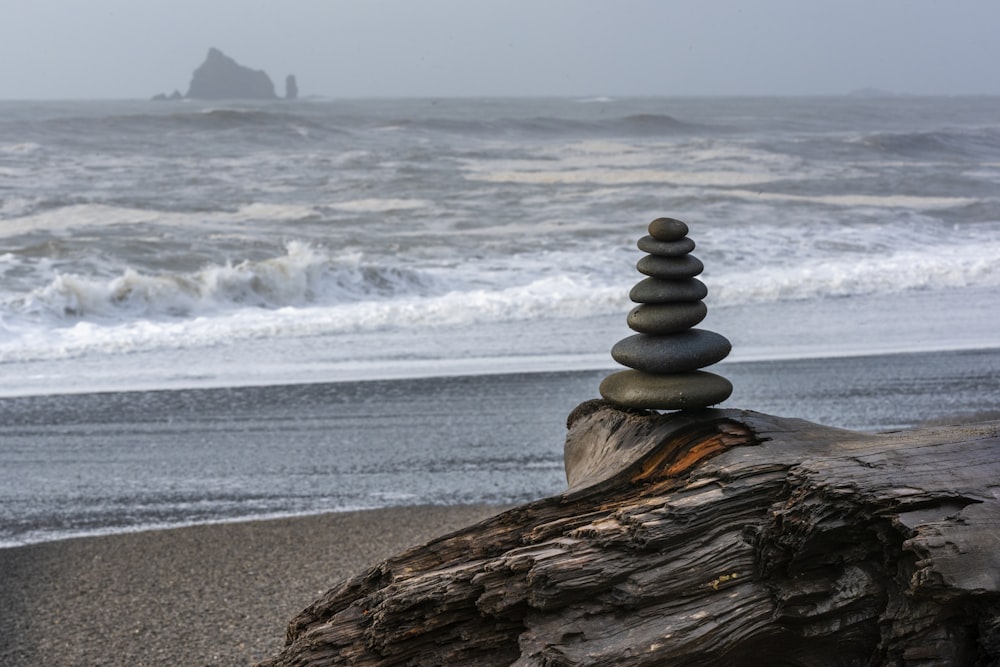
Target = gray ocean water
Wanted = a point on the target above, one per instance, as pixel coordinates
(214, 312)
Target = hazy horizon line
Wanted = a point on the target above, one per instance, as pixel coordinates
(859, 93)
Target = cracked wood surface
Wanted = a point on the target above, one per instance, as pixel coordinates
(712, 537)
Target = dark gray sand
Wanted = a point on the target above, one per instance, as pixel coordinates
(204, 595)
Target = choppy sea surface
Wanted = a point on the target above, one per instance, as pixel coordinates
(158, 249)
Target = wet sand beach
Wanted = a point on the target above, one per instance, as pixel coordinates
(198, 596)
(79, 465)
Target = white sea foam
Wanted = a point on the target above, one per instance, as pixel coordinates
(77, 216)
(380, 205)
(705, 162)
(22, 148)
(603, 147)
(556, 297)
(947, 267)
(617, 177)
(310, 290)
(914, 202)
(262, 211)
(604, 162)
(83, 216)
(12, 207)
(304, 275)
(737, 155)
(301, 295)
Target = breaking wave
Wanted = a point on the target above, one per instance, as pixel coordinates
(956, 266)
(303, 276)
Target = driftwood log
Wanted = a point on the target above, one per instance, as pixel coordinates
(716, 537)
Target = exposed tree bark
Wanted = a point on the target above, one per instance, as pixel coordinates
(716, 537)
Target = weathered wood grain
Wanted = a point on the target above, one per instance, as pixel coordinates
(716, 537)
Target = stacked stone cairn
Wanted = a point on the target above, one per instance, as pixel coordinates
(667, 352)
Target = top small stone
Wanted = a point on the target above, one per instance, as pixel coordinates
(667, 229)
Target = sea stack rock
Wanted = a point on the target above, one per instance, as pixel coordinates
(291, 88)
(666, 353)
(221, 78)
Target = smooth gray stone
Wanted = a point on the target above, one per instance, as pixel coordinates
(665, 318)
(672, 353)
(670, 268)
(680, 391)
(665, 248)
(655, 290)
(667, 229)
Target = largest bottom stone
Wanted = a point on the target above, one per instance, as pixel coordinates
(675, 391)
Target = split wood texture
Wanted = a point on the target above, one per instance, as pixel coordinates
(716, 537)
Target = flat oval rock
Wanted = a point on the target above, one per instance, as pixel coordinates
(679, 391)
(656, 290)
(665, 248)
(667, 229)
(672, 353)
(665, 318)
(670, 268)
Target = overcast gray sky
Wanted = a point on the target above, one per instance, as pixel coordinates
(358, 48)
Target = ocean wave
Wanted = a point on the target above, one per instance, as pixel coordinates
(304, 275)
(554, 297)
(910, 202)
(21, 148)
(647, 123)
(849, 274)
(614, 162)
(57, 215)
(622, 176)
(547, 126)
(267, 211)
(230, 115)
(976, 143)
(225, 118)
(14, 207)
(818, 261)
(380, 205)
(259, 124)
(307, 293)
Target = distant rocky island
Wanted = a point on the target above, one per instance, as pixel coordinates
(222, 78)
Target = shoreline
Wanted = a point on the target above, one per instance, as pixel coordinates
(160, 460)
(418, 371)
(97, 534)
(218, 594)
(100, 533)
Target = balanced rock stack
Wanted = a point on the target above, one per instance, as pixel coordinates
(667, 352)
